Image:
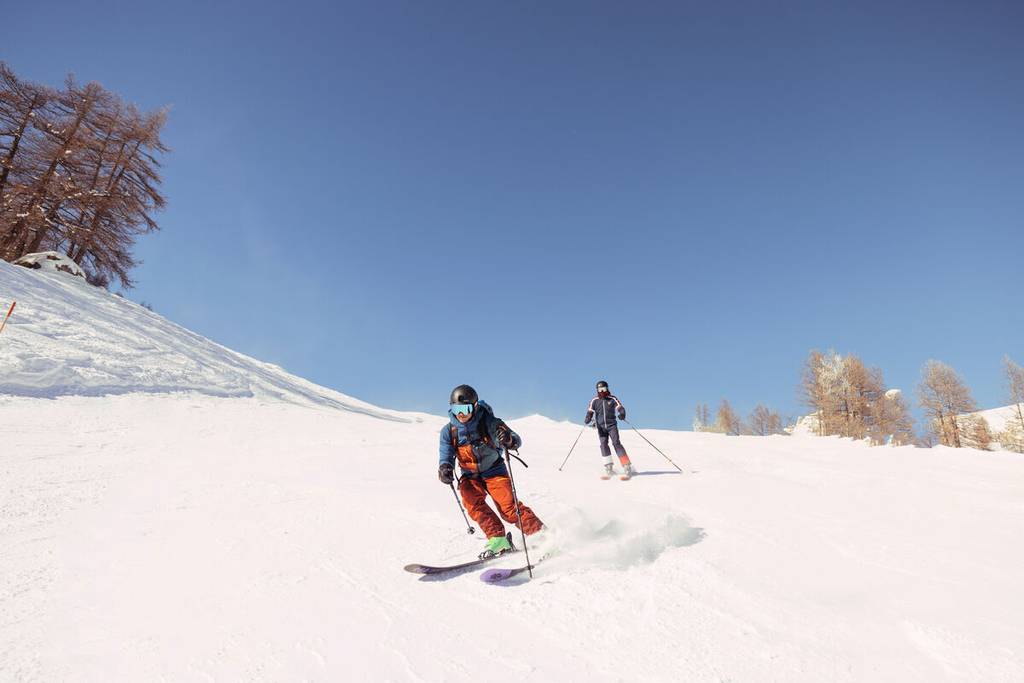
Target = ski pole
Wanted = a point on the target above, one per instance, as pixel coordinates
(469, 527)
(573, 446)
(515, 499)
(9, 311)
(651, 444)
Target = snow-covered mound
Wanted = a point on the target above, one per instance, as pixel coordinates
(198, 515)
(805, 425)
(52, 262)
(69, 339)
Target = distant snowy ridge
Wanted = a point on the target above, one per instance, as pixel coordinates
(69, 338)
(997, 417)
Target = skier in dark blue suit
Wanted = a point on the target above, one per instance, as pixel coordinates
(604, 409)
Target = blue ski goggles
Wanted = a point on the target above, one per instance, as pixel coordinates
(462, 409)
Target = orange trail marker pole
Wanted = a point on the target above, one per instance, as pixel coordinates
(9, 311)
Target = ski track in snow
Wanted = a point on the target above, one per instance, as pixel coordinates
(171, 510)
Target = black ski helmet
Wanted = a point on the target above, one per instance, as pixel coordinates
(602, 385)
(464, 394)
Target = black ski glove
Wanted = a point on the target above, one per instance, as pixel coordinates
(622, 414)
(506, 438)
(446, 473)
(586, 420)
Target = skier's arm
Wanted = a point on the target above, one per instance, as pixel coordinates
(445, 450)
(620, 409)
(590, 413)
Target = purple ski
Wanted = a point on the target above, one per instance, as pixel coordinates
(499, 575)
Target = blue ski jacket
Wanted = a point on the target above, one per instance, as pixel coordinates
(476, 444)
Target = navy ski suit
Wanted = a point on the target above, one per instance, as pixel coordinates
(604, 410)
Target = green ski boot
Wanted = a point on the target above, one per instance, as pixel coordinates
(497, 545)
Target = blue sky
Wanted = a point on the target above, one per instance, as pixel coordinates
(391, 198)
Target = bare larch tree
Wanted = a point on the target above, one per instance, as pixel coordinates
(79, 174)
(727, 421)
(944, 396)
(1012, 436)
(763, 421)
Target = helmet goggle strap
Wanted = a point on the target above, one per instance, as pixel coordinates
(462, 408)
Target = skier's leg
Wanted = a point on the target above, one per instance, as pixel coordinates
(474, 497)
(620, 450)
(500, 488)
(606, 453)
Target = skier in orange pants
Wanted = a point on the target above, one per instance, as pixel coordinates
(475, 437)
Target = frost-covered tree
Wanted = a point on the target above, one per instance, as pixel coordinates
(944, 396)
(842, 391)
(702, 418)
(817, 385)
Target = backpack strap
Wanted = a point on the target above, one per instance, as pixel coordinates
(485, 434)
(481, 429)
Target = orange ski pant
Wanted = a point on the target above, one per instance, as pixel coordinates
(474, 496)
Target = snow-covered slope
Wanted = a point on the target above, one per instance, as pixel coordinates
(69, 338)
(998, 417)
(259, 534)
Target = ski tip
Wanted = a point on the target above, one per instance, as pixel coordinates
(499, 575)
(417, 568)
(495, 575)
